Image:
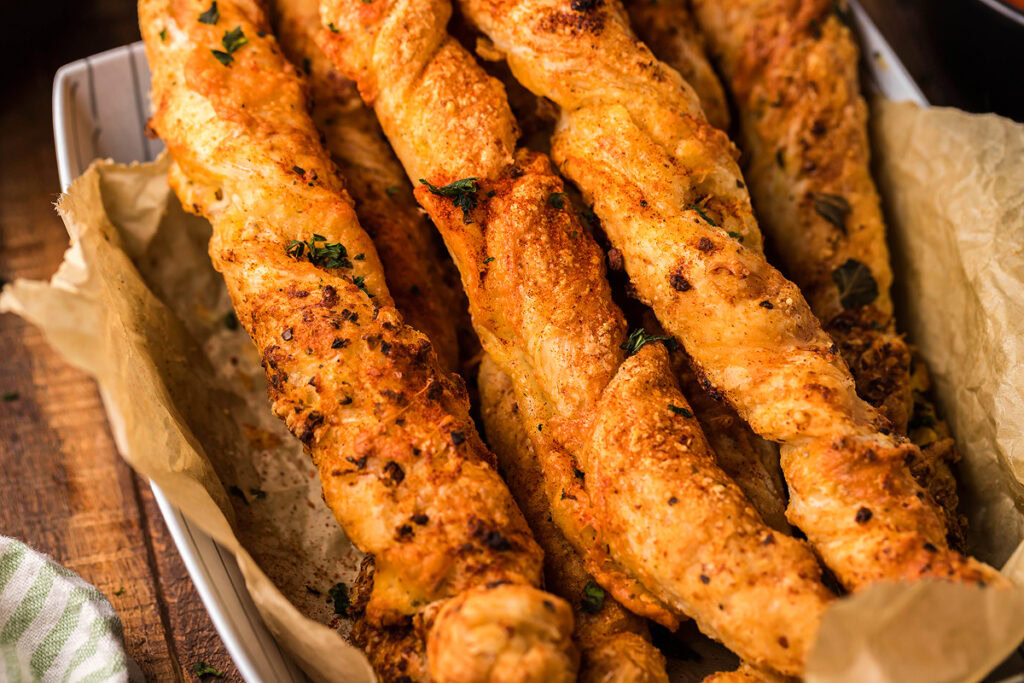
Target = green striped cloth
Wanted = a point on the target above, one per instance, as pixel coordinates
(53, 625)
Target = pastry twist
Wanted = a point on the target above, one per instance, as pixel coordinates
(401, 465)
(792, 70)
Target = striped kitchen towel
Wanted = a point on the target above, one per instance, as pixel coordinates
(54, 626)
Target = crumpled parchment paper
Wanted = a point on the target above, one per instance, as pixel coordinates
(137, 304)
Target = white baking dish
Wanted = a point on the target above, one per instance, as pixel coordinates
(100, 107)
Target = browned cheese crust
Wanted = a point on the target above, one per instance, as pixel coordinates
(667, 189)
(615, 644)
(427, 293)
(668, 28)
(792, 71)
(400, 462)
(630, 482)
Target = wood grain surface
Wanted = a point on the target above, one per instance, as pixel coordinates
(63, 488)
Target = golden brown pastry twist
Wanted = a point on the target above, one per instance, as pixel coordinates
(401, 465)
(426, 293)
(627, 472)
(615, 644)
(792, 71)
(669, 194)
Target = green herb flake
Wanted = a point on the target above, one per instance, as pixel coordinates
(11, 396)
(163, 35)
(223, 57)
(334, 29)
(338, 594)
(832, 208)
(593, 598)
(359, 257)
(488, 259)
(119, 592)
(392, 191)
(700, 211)
(201, 669)
(210, 16)
(680, 411)
(856, 285)
(360, 282)
(557, 200)
(735, 235)
(233, 40)
(591, 217)
(326, 255)
(461, 192)
(639, 338)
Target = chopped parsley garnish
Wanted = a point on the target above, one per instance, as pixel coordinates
(557, 200)
(119, 592)
(163, 35)
(639, 338)
(230, 320)
(360, 282)
(488, 259)
(735, 235)
(359, 257)
(392, 191)
(232, 41)
(334, 29)
(11, 396)
(327, 255)
(700, 210)
(210, 16)
(856, 285)
(680, 411)
(461, 192)
(339, 595)
(593, 598)
(223, 57)
(590, 216)
(201, 669)
(832, 208)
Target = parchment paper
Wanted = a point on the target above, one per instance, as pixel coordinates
(137, 304)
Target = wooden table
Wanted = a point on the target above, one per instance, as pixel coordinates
(64, 490)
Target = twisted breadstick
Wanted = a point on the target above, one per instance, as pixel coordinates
(427, 295)
(615, 645)
(400, 462)
(668, 28)
(792, 70)
(628, 475)
(670, 197)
